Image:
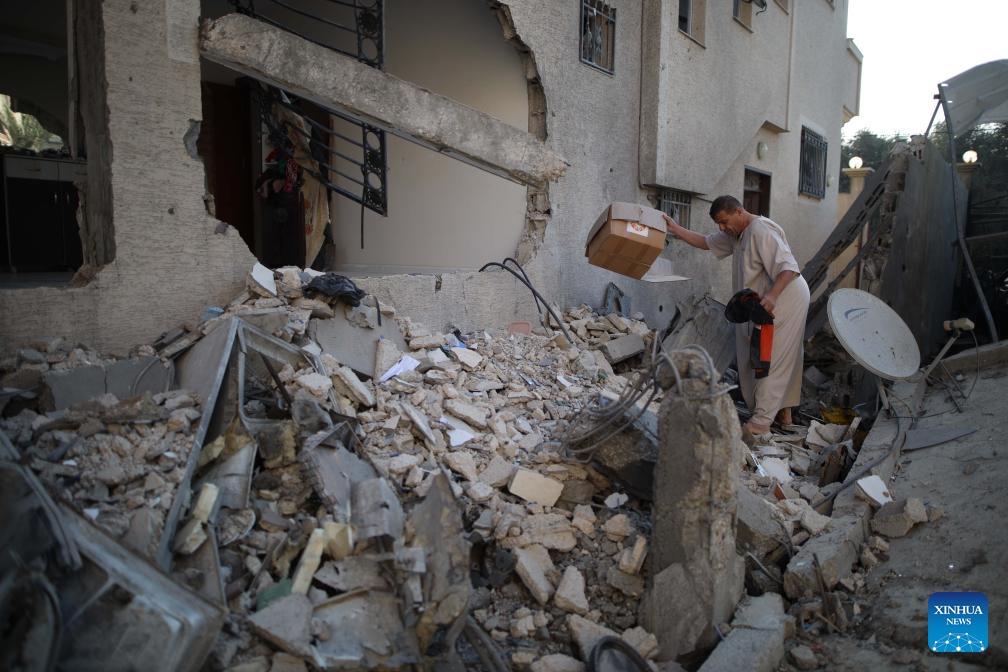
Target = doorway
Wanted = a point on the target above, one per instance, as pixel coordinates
(756, 192)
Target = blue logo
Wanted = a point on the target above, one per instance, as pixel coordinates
(957, 622)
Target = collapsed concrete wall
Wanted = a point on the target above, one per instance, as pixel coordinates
(171, 259)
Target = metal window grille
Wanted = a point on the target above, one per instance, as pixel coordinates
(352, 167)
(598, 35)
(351, 27)
(352, 164)
(812, 175)
(676, 204)
(686, 16)
(737, 8)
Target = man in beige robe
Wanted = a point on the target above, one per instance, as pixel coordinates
(761, 261)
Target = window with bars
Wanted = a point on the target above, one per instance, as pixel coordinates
(677, 205)
(812, 175)
(598, 35)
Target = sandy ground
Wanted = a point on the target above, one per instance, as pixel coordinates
(965, 550)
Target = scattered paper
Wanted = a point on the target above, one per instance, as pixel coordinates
(92, 513)
(777, 468)
(405, 363)
(264, 277)
(459, 433)
(616, 500)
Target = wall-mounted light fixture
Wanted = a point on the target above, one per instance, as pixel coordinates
(970, 156)
(761, 148)
(855, 163)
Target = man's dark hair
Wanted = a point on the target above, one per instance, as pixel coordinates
(724, 204)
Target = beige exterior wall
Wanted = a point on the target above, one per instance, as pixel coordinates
(442, 214)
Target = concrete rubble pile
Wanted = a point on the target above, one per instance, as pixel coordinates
(352, 490)
(804, 547)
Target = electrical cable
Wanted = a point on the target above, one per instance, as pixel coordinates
(535, 293)
(608, 419)
(527, 281)
(619, 645)
(487, 650)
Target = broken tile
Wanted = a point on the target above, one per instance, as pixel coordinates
(570, 594)
(534, 567)
(534, 487)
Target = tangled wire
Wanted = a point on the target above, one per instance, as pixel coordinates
(599, 421)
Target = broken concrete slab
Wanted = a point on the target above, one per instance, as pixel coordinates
(439, 533)
(586, 634)
(355, 346)
(534, 487)
(376, 510)
(837, 551)
(354, 573)
(570, 594)
(693, 555)
(340, 82)
(623, 348)
(362, 631)
(333, 470)
(756, 640)
(704, 322)
(759, 524)
(73, 386)
(535, 568)
(897, 518)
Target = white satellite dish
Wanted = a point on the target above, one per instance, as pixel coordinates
(873, 334)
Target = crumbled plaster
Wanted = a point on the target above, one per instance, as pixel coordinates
(537, 213)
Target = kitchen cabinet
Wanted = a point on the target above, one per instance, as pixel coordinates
(40, 213)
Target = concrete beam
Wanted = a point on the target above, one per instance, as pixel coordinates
(341, 83)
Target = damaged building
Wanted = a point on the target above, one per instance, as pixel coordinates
(452, 135)
(424, 463)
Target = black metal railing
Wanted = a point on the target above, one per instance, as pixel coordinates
(354, 167)
(351, 27)
(350, 161)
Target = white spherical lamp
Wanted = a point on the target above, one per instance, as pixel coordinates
(855, 162)
(970, 156)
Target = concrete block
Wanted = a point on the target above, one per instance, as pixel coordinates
(570, 594)
(355, 346)
(73, 386)
(130, 377)
(534, 487)
(346, 382)
(470, 359)
(759, 524)
(475, 416)
(632, 559)
(497, 472)
(534, 566)
(756, 641)
(286, 623)
(803, 657)
(586, 634)
(551, 530)
(309, 563)
(897, 518)
(837, 551)
(462, 463)
(623, 348)
(630, 585)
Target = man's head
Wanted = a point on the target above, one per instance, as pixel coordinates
(729, 215)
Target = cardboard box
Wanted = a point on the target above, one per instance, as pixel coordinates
(626, 239)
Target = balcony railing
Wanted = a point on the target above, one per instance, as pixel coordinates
(349, 154)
